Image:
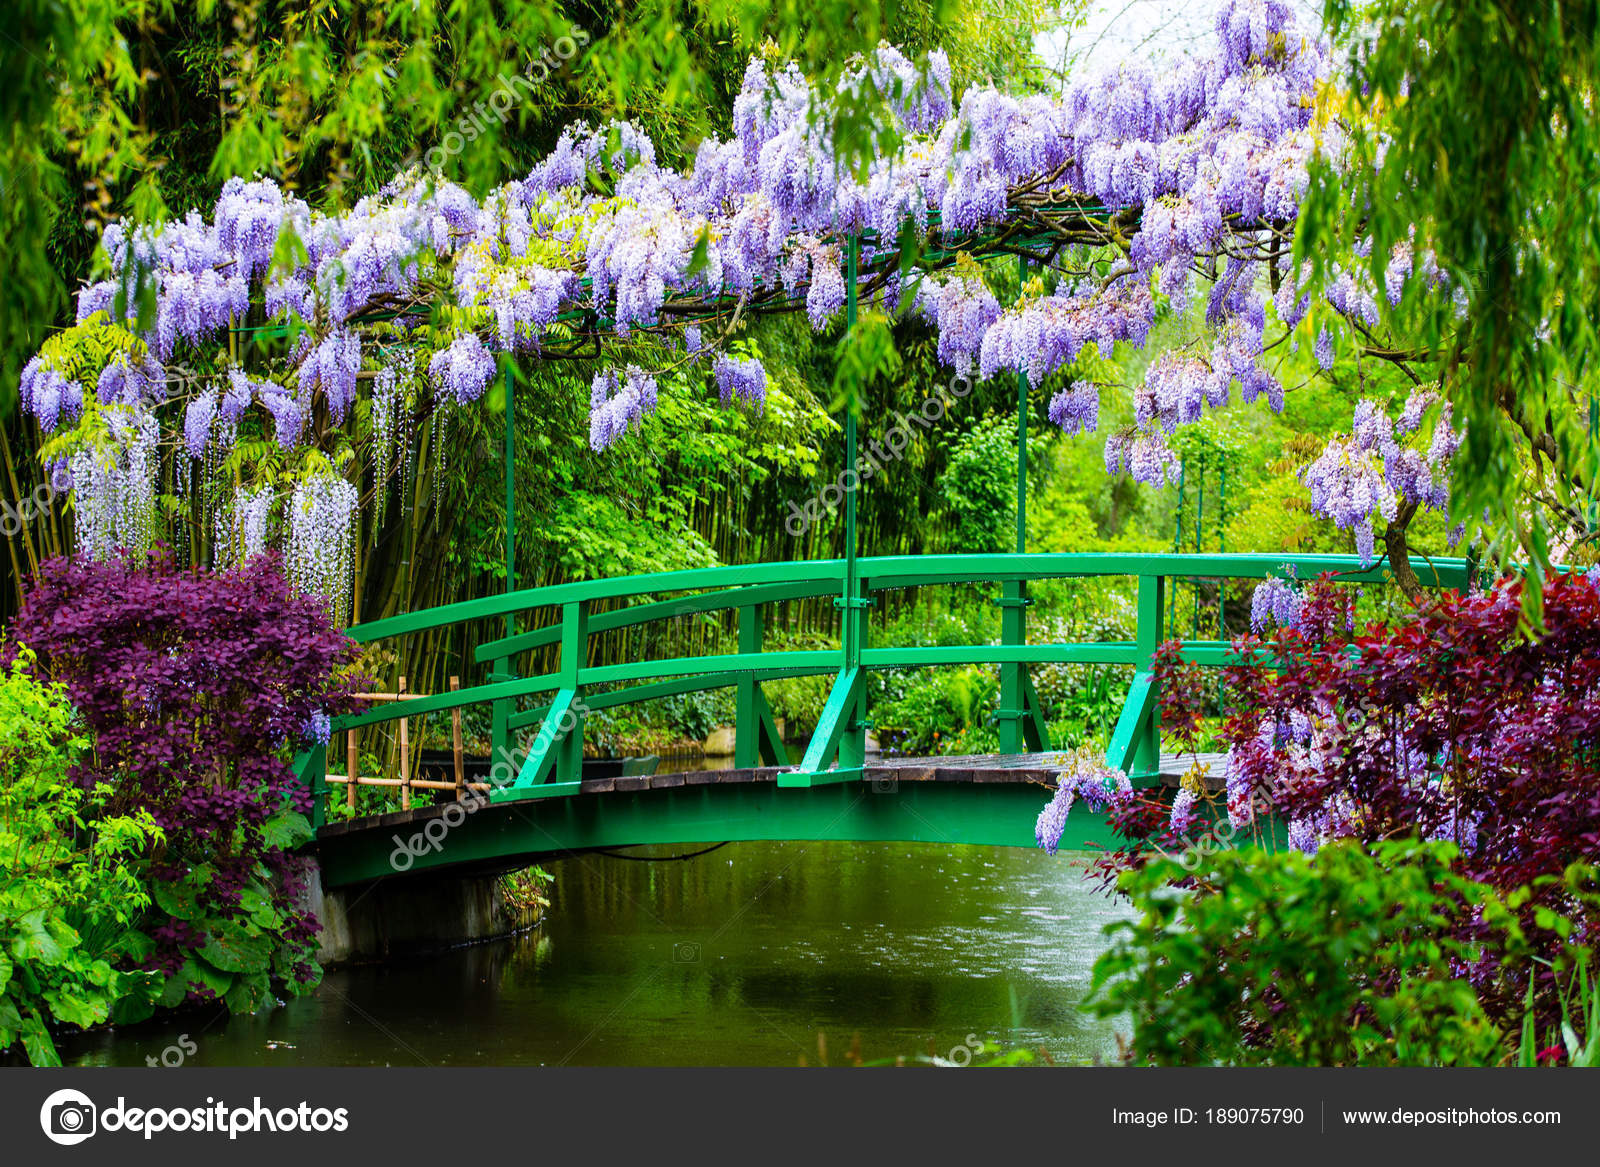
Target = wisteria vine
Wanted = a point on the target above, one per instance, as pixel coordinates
(1124, 189)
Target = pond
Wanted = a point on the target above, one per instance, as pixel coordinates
(752, 954)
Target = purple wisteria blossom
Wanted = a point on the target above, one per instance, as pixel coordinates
(48, 395)
(1184, 816)
(1274, 599)
(320, 547)
(1076, 409)
(615, 403)
(463, 370)
(744, 379)
(1371, 474)
(197, 418)
(1086, 777)
(602, 239)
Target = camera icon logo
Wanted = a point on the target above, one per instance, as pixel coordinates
(885, 785)
(68, 1117)
(686, 952)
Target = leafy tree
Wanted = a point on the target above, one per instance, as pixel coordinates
(979, 488)
(1485, 123)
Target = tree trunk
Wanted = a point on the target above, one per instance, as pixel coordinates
(1394, 543)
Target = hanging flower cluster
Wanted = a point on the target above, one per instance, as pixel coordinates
(114, 486)
(1372, 473)
(1276, 600)
(242, 530)
(321, 543)
(615, 403)
(1086, 777)
(744, 379)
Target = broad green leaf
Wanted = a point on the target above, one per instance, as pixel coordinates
(237, 950)
(36, 1042)
(179, 899)
(196, 971)
(74, 1007)
(248, 993)
(286, 829)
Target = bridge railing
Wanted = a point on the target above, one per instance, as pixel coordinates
(549, 763)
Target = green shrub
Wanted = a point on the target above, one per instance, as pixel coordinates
(799, 701)
(1284, 959)
(70, 898)
(937, 711)
(978, 489)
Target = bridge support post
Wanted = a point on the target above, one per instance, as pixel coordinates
(559, 745)
(1136, 743)
(574, 655)
(312, 769)
(755, 735)
(838, 722)
(842, 729)
(502, 751)
(1020, 717)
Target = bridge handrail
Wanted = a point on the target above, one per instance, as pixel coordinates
(882, 572)
(832, 753)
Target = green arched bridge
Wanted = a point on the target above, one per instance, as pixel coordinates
(539, 804)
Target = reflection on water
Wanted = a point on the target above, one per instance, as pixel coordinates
(740, 957)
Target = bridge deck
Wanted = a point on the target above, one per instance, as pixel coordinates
(1011, 769)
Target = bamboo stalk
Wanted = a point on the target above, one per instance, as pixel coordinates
(455, 741)
(352, 764)
(405, 757)
(27, 541)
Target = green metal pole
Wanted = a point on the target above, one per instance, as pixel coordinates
(747, 717)
(1015, 691)
(853, 628)
(500, 714)
(1199, 525)
(1148, 634)
(852, 257)
(1222, 545)
(511, 494)
(1022, 433)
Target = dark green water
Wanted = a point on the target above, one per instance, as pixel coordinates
(745, 956)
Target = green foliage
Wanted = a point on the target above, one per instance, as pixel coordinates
(865, 354)
(661, 726)
(978, 489)
(1490, 140)
(799, 701)
(526, 890)
(1580, 1022)
(1281, 959)
(935, 711)
(243, 955)
(938, 710)
(70, 897)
